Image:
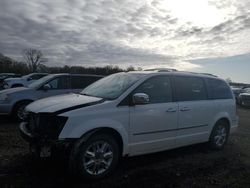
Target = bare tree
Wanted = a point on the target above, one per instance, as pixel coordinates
(34, 58)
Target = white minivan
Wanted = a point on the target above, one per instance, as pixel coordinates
(132, 113)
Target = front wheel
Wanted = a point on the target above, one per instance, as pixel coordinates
(19, 112)
(97, 157)
(219, 135)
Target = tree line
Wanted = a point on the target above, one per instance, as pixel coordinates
(34, 62)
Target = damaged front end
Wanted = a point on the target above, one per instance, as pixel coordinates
(42, 130)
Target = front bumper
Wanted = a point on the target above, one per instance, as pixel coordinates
(39, 140)
(25, 134)
(235, 124)
(245, 103)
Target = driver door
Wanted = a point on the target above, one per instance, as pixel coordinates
(153, 126)
(57, 86)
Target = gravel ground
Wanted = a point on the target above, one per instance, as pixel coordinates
(192, 166)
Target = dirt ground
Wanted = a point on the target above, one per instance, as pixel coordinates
(192, 166)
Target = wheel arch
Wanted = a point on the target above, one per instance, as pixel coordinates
(19, 102)
(105, 130)
(225, 119)
(86, 136)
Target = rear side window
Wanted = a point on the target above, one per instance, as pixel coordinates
(190, 88)
(37, 76)
(158, 89)
(61, 82)
(218, 89)
(80, 82)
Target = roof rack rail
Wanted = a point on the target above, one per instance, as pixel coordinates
(161, 70)
(209, 74)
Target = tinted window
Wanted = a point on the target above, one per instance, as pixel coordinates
(37, 76)
(218, 89)
(80, 82)
(158, 89)
(190, 89)
(59, 83)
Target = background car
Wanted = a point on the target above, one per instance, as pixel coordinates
(236, 92)
(23, 81)
(4, 76)
(244, 97)
(14, 100)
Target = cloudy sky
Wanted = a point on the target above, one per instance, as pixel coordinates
(195, 35)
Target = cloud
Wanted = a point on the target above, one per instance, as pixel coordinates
(122, 32)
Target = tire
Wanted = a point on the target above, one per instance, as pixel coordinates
(18, 111)
(97, 157)
(219, 135)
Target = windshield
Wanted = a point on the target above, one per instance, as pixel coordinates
(40, 81)
(112, 86)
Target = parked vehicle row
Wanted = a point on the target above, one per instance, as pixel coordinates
(128, 114)
(242, 95)
(23, 81)
(4, 76)
(14, 100)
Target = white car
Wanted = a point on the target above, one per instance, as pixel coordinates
(133, 113)
(23, 81)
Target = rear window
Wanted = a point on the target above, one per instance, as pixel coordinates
(218, 89)
(80, 82)
(190, 89)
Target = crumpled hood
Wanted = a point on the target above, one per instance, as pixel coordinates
(13, 90)
(62, 103)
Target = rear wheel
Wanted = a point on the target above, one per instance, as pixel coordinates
(97, 157)
(219, 135)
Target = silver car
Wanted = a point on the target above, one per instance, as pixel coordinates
(244, 97)
(14, 100)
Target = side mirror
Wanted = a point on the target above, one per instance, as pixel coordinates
(140, 98)
(29, 79)
(46, 87)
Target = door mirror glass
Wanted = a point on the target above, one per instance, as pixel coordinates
(46, 87)
(140, 98)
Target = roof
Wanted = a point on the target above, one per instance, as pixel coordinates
(66, 74)
(174, 72)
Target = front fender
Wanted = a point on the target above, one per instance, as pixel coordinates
(76, 130)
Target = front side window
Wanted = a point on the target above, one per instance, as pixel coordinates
(190, 89)
(157, 88)
(59, 83)
(38, 83)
